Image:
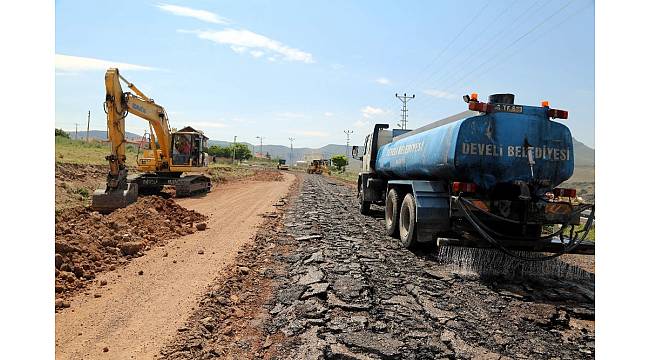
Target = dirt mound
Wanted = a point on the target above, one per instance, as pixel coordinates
(72, 172)
(75, 183)
(267, 175)
(88, 243)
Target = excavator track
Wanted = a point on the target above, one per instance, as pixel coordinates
(185, 186)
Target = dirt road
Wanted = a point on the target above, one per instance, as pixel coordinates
(145, 303)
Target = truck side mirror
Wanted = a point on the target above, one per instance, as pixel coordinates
(355, 152)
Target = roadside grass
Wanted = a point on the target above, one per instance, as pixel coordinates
(93, 152)
(347, 176)
(591, 236)
(222, 172)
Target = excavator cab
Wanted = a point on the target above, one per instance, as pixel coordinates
(188, 148)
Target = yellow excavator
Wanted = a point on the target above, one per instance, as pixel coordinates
(170, 154)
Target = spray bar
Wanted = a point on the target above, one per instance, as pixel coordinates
(555, 245)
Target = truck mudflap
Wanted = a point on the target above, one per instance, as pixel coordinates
(557, 243)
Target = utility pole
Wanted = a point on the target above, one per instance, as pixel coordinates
(347, 144)
(234, 148)
(291, 153)
(88, 126)
(76, 137)
(404, 99)
(261, 138)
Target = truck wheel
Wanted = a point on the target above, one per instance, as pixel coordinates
(391, 212)
(407, 235)
(364, 206)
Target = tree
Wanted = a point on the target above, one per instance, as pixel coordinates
(340, 161)
(242, 152)
(219, 151)
(62, 133)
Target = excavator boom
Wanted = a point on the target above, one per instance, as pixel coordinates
(164, 165)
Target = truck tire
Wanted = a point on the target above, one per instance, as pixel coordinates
(364, 206)
(407, 231)
(391, 212)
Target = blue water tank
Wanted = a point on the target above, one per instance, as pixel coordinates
(485, 149)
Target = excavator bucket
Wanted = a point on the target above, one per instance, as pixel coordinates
(106, 201)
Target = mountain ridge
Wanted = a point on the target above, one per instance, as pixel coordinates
(584, 156)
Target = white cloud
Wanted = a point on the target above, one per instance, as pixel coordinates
(328, 114)
(361, 124)
(202, 15)
(310, 133)
(68, 63)
(291, 115)
(245, 40)
(439, 94)
(382, 81)
(369, 112)
(207, 124)
(256, 53)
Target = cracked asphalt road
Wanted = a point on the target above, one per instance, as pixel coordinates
(340, 288)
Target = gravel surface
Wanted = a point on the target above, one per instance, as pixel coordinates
(330, 284)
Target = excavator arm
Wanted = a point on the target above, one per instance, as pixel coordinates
(118, 105)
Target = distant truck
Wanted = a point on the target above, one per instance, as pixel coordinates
(282, 164)
(486, 177)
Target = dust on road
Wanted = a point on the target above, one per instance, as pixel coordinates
(144, 303)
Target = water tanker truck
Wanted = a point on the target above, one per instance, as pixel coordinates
(486, 177)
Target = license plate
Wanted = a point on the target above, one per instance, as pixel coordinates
(508, 108)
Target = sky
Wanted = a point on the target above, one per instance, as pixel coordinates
(311, 70)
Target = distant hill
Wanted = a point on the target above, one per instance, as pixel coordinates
(283, 152)
(100, 135)
(584, 155)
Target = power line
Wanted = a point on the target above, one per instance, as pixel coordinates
(561, 22)
(88, 126)
(234, 148)
(291, 153)
(546, 19)
(449, 44)
(261, 152)
(481, 50)
(424, 78)
(501, 51)
(347, 144)
(508, 7)
(404, 99)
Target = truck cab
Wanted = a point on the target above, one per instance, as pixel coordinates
(282, 164)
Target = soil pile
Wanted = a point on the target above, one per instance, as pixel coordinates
(75, 183)
(88, 242)
(267, 175)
